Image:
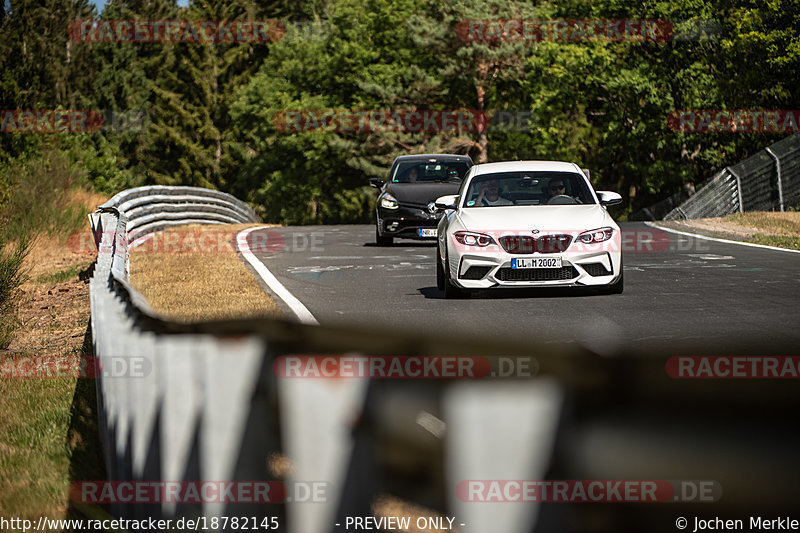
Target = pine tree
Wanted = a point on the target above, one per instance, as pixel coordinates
(354, 56)
(482, 68)
(192, 93)
(40, 68)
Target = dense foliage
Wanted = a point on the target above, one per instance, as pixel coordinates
(212, 111)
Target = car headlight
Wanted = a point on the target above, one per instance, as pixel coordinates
(469, 238)
(595, 235)
(389, 202)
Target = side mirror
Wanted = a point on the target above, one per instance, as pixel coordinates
(376, 183)
(447, 202)
(609, 198)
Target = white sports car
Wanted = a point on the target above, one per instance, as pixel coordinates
(527, 224)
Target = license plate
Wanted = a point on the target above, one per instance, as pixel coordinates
(427, 232)
(536, 262)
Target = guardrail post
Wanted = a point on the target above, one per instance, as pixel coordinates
(96, 223)
(738, 188)
(778, 171)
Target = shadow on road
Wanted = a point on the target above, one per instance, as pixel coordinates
(83, 438)
(408, 244)
(434, 293)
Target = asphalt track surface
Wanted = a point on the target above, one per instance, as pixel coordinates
(683, 295)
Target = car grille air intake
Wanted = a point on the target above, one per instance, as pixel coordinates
(596, 269)
(518, 244)
(537, 274)
(475, 272)
(546, 244)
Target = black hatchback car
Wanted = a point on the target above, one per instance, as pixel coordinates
(405, 204)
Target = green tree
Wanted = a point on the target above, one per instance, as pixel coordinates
(480, 66)
(190, 136)
(40, 68)
(354, 56)
(605, 103)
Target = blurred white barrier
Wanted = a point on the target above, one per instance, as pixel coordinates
(202, 403)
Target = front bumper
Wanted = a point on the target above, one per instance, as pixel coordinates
(579, 269)
(405, 222)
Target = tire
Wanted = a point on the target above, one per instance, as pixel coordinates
(617, 287)
(440, 280)
(381, 240)
(451, 292)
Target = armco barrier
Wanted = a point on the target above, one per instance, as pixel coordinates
(768, 180)
(156, 207)
(204, 404)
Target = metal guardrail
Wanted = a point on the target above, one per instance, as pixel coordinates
(176, 384)
(769, 180)
(156, 207)
(207, 405)
(719, 196)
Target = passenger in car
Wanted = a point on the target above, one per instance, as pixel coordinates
(490, 195)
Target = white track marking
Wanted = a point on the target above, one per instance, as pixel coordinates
(753, 245)
(303, 314)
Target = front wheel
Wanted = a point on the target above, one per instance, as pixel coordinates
(615, 288)
(451, 292)
(440, 280)
(381, 240)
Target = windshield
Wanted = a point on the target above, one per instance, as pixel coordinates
(426, 171)
(528, 188)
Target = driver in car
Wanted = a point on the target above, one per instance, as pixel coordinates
(556, 188)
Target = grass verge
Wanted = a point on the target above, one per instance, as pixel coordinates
(46, 425)
(193, 273)
(47, 195)
(758, 227)
(12, 276)
(47, 432)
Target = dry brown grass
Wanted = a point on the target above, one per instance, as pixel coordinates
(39, 437)
(54, 303)
(776, 223)
(188, 275)
(35, 440)
(46, 432)
(760, 227)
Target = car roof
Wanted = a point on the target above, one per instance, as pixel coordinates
(525, 166)
(425, 157)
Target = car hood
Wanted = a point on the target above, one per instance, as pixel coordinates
(545, 218)
(421, 193)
